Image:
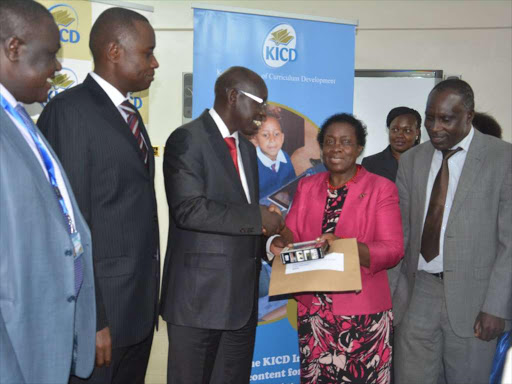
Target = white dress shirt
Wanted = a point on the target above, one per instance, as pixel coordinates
(224, 131)
(112, 92)
(455, 165)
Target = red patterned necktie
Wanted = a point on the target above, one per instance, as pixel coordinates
(134, 124)
(231, 142)
(434, 220)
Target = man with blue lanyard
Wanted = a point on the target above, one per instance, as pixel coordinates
(47, 300)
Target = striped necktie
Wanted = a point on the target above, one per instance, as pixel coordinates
(134, 123)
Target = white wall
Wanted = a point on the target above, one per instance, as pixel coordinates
(468, 38)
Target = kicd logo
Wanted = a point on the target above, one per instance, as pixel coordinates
(65, 79)
(279, 46)
(136, 101)
(67, 19)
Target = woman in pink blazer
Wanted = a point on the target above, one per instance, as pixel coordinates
(345, 337)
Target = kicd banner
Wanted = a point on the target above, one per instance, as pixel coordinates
(308, 67)
(75, 19)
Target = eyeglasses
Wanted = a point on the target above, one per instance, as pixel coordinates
(257, 99)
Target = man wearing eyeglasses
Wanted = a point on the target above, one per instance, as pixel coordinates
(209, 291)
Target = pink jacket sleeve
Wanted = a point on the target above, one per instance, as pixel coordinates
(387, 244)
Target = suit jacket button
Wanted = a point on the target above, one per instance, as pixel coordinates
(71, 299)
(68, 252)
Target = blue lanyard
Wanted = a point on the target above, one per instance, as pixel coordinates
(46, 160)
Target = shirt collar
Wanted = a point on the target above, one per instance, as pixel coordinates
(465, 142)
(223, 128)
(111, 91)
(7, 96)
(267, 162)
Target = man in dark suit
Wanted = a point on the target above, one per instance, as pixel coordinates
(210, 284)
(105, 149)
(453, 295)
(47, 309)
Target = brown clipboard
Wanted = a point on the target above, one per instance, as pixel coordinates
(320, 280)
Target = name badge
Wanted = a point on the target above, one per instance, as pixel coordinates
(77, 244)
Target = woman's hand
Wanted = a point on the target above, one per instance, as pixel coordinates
(362, 248)
(275, 208)
(330, 237)
(364, 254)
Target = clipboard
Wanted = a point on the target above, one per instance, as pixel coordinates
(320, 280)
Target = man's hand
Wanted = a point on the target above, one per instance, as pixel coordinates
(487, 327)
(103, 347)
(277, 245)
(272, 222)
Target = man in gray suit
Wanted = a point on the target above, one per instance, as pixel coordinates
(453, 293)
(47, 308)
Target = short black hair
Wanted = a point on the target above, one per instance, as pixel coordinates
(359, 127)
(18, 16)
(487, 124)
(462, 88)
(234, 77)
(400, 111)
(111, 25)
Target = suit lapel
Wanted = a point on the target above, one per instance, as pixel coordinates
(222, 152)
(315, 215)
(109, 112)
(151, 156)
(421, 169)
(470, 172)
(43, 185)
(248, 163)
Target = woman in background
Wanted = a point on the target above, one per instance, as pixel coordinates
(404, 127)
(345, 337)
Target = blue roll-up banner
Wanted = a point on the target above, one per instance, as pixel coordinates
(308, 67)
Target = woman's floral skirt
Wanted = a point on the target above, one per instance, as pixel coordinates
(343, 349)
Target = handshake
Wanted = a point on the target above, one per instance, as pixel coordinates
(271, 219)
